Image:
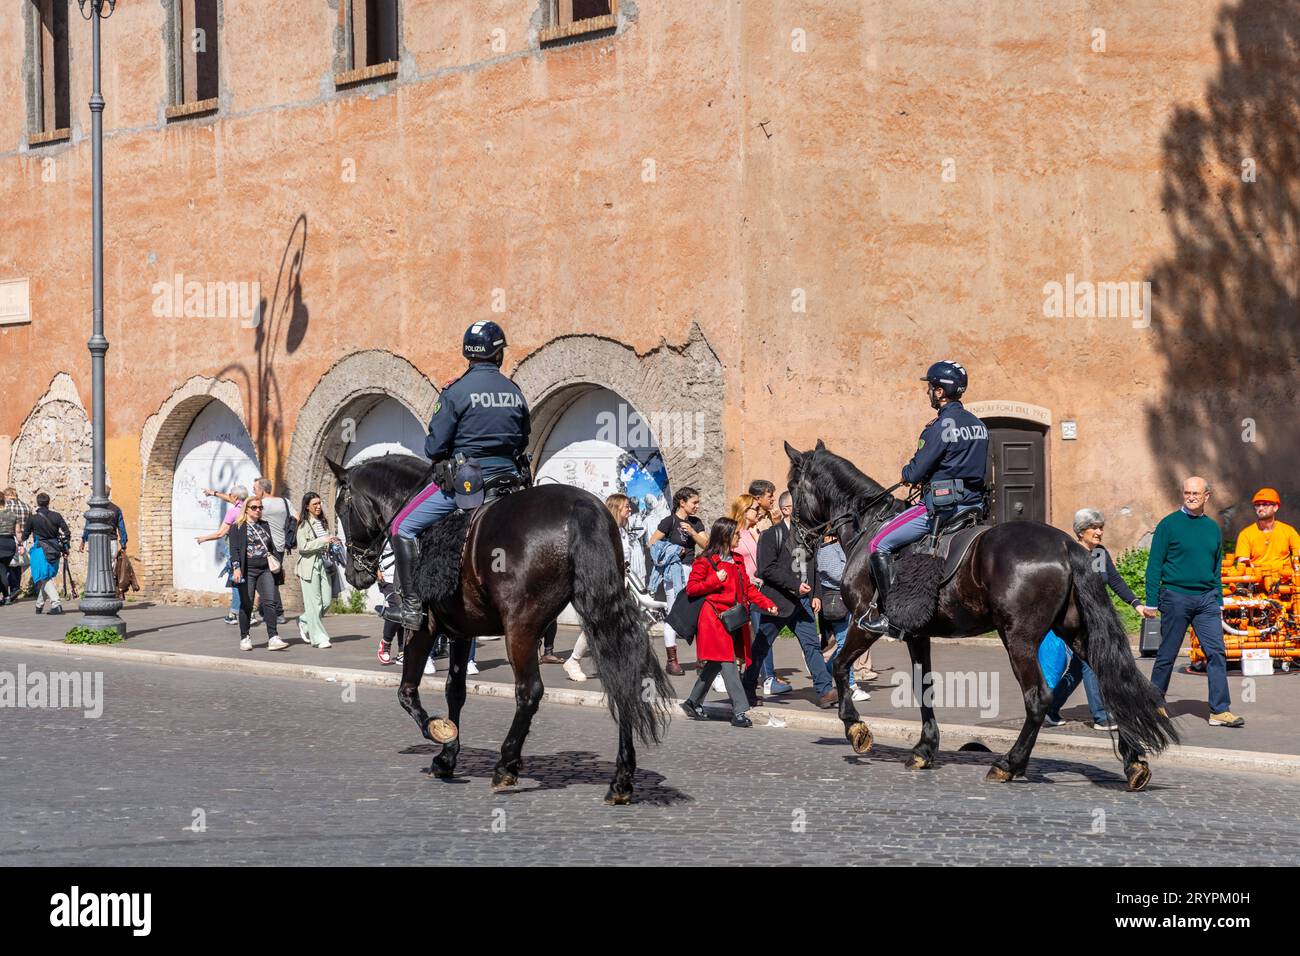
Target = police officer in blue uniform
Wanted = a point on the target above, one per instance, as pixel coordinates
(481, 416)
(954, 447)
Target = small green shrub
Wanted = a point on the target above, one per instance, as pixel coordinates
(355, 604)
(93, 635)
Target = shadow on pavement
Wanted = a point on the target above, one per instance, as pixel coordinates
(557, 772)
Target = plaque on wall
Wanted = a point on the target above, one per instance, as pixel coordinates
(15, 302)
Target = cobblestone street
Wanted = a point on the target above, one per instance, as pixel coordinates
(284, 771)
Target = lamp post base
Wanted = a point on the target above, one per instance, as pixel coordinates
(99, 601)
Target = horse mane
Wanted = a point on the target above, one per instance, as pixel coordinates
(840, 485)
(382, 485)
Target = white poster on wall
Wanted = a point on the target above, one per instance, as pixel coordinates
(218, 454)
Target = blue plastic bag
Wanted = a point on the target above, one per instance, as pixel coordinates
(1053, 658)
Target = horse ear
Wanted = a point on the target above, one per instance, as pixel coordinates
(821, 445)
(340, 472)
(795, 454)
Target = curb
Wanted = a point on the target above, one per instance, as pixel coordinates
(884, 728)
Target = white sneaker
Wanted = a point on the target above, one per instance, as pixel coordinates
(323, 644)
(719, 685)
(472, 668)
(428, 666)
(275, 644)
(245, 643)
(574, 670)
(860, 694)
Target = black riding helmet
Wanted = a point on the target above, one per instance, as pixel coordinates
(483, 340)
(947, 375)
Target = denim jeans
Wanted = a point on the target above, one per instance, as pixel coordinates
(805, 629)
(841, 630)
(766, 668)
(1076, 673)
(1204, 613)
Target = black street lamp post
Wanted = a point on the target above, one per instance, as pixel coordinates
(99, 603)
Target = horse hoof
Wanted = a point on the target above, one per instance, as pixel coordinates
(859, 735)
(441, 730)
(917, 762)
(441, 771)
(1139, 775)
(997, 775)
(616, 799)
(503, 782)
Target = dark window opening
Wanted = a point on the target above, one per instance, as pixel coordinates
(374, 32)
(198, 75)
(52, 108)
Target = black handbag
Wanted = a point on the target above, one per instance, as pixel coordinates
(834, 609)
(684, 616)
(735, 617)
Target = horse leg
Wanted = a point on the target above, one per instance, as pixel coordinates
(1022, 648)
(856, 643)
(522, 651)
(408, 695)
(927, 747)
(620, 791)
(444, 765)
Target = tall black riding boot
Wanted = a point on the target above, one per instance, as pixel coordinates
(882, 571)
(408, 612)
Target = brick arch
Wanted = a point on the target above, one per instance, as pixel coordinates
(160, 443)
(671, 385)
(349, 390)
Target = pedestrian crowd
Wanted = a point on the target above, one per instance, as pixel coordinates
(750, 577)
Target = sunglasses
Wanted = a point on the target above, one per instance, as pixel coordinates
(254, 508)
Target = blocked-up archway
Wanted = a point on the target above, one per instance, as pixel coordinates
(668, 400)
(365, 403)
(52, 453)
(161, 442)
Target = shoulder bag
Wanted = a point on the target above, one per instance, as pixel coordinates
(272, 562)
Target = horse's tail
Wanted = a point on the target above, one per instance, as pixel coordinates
(1131, 700)
(636, 686)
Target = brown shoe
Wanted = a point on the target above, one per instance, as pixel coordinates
(551, 659)
(673, 668)
(829, 699)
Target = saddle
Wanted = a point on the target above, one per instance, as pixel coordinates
(950, 541)
(925, 566)
(442, 544)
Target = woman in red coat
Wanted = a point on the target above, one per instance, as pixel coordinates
(723, 583)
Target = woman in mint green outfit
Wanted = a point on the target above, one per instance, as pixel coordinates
(317, 588)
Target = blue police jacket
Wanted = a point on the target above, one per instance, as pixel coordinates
(481, 415)
(953, 445)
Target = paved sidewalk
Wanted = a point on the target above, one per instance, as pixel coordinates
(1271, 718)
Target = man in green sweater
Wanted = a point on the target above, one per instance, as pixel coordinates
(1185, 581)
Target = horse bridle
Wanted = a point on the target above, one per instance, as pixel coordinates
(365, 560)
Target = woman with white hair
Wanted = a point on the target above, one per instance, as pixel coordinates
(1088, 526)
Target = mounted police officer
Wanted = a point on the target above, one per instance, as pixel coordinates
(478, 432)
(949, 465)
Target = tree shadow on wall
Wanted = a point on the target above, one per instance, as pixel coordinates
(1224, 303)
(282, 323)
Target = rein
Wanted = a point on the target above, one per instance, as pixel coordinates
(810, 536)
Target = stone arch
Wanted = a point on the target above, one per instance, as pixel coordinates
(160, 443)
(351, 388)
(53, 452)
(679, 389)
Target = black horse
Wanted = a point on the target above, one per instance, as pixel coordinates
(1021, 578)
(526, 556)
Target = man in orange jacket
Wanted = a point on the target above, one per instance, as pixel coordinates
(1268, 544)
